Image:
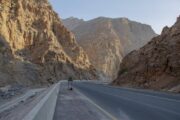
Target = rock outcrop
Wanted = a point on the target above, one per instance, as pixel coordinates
(156, 65)
(36, 47)
(107, 40)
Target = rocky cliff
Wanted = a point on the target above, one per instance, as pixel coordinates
(35, 45)
(156, 65)
(107, 40)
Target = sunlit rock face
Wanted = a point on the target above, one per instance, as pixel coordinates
(107, 41)
(32, 34)
(156, 65)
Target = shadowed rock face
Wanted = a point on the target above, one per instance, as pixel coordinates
(156, 65)
(36, 36)
(107, 40)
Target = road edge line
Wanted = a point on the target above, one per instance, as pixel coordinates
(100, 108)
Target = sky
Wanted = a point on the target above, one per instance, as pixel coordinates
(157, 13)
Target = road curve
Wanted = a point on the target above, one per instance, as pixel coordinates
(129, 104)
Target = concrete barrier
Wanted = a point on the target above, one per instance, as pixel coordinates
(44, 110)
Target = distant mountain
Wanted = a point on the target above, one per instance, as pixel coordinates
(156, 65)
(35, 47)
(107, 40)
(72, 22)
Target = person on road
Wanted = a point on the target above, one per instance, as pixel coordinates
(70, 83)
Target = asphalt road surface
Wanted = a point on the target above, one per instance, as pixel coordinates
(131, 104)
(72, 105)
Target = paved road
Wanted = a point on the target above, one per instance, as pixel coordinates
(129, 104)
(71, 105)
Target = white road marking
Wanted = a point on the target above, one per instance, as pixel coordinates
(104, 111)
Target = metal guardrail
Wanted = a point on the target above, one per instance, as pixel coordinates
(44, 110)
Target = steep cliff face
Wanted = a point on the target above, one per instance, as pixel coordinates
(35, 35)
(156, 65)
(107, 41)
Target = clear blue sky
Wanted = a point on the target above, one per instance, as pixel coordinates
(157, 13)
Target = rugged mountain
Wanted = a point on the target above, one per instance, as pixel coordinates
(107, 40)
(156, 65)
(36, 47)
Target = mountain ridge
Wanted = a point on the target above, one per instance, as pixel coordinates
(108, 40)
